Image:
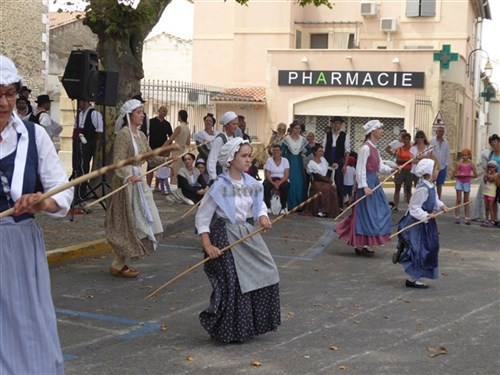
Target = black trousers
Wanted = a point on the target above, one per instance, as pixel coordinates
(268, 192)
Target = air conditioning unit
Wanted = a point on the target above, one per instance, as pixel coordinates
(388, 24)
(368, 8)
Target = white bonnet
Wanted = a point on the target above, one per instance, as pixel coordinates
(227, 118)
(492, 162)
(8, 72)
(126, 109)
(228, 150)
(372, 125)
(424, 166)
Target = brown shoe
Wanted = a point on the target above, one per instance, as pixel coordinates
(364, 251)
(125, 271)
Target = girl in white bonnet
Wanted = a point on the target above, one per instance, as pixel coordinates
(245, 300)
(418, 246)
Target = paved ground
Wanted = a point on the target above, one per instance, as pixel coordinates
(341, 314)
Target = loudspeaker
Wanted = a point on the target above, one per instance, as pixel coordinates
(80, 79)
(107, 93)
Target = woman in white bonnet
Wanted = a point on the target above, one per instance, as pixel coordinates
(370, 221)
(245, 299)
(418, 246)
(29, 343)
(133, 225)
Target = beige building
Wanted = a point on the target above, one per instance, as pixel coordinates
(360, 60)
(24, 30)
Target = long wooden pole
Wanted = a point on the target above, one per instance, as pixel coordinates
(97, 173)
(383, 182)
(190, 210)
(423, 220)
(260, 229)
(168, 162)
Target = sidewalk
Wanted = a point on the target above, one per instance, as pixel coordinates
(65, 239)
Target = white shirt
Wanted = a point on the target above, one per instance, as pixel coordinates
(212, 157)
(96, 119)
(277, 170)
(50, 169)
(321, 168)
(442, 151)
(417, 200)
(363, 154)
(414, 152)
(349, 176)
(243, 206)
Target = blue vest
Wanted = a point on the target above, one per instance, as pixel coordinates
(430, 203)
(31, 180)
(223, 194)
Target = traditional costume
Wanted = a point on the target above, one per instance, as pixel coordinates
(28, 329)
(293, 149)
(245, 299)
(327, 205)
(419, 246)
(133, 225)
(370, 221)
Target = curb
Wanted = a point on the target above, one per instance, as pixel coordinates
(100, 246)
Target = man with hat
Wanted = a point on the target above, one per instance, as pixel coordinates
(229, 121)
(336, 145)
(41, 116)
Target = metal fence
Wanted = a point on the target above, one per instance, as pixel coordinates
(196, 99)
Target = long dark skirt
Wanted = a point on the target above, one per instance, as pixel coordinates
(421, 248)
(233, 316)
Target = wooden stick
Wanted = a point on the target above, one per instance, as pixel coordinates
(168, 162)
(383, 182)
(260, 229)
(97, 173)
(190, 210)
(421, 221)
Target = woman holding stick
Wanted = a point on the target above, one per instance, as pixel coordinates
(133, 225)
(418, 246)
(245, 299)
(369, 224)
(29, 343)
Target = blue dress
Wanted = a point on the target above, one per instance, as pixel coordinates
(421, 242)
(293, 150)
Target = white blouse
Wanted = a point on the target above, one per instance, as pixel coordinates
(321, 168)
(363, 154)
(417, 200)
(243, 207)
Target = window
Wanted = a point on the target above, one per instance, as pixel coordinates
(420, 8)
(319, 41)
(298, 39)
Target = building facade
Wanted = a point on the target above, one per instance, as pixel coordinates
(398, 61)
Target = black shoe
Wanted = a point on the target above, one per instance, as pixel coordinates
(363, 251)
(416, 284)
(397, 253)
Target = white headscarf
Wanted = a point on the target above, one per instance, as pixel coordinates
(8, 72)
(372, 125)
(424, 166)
(227, 118)
(126, 109)
(228, 150)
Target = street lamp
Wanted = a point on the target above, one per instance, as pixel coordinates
(488, 68)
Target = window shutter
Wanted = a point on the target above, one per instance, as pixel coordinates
(428, 8)
(412, 8)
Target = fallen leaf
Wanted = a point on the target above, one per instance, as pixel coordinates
(290, 314)
(89, 296)
(140, 323)
(430, 349)
(256, 363)
(343, 368)
(444, 273)
(334, 348)
(442, 350)
(357, 305)
(307, 356)
(407, 301)
(189, 358)
(385, 317)
(357, 321)
(164, 327)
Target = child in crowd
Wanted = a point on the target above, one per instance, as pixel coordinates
(463, 172)
(162, 176)
(204, 177)
(491, 182)
(418, 246)
(349, 178)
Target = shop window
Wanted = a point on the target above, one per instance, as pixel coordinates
(420, 8)
(319, 41)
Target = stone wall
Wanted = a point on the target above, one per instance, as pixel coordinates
(24, 39)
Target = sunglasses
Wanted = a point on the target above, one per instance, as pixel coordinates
(420, 137)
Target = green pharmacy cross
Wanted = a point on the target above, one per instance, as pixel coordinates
(445, 56)
(489, 93)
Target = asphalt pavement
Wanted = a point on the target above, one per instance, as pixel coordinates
(341, 313)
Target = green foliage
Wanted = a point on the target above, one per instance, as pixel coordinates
(302, 3)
